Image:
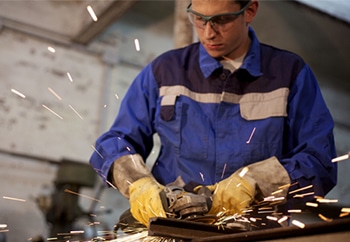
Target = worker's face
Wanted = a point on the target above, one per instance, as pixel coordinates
(226, 35)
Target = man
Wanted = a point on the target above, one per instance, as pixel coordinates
(245, 119)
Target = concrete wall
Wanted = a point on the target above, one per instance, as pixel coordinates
(38, 139)
(34, 140)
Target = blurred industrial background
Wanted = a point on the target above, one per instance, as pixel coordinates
(63, 75)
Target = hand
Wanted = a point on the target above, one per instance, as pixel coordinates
(145, 201)
(231, 195)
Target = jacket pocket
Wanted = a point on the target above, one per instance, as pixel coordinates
(255, 106)
(183, 126)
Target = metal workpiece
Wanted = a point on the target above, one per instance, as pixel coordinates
(186, 230)
(183, 230)
(337, 230)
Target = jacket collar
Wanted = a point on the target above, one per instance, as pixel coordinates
(251, 62)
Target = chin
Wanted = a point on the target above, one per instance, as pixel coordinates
(215, 54)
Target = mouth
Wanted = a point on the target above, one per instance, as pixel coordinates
(213, 46)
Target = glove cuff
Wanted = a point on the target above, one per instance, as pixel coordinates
(268, 176)
(127, 170)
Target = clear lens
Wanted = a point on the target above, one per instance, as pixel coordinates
(196, 20)
(219, 22)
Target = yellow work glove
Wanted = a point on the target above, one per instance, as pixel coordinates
(144, 199)
(231, 195)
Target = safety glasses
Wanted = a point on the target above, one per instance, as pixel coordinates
(219, 22)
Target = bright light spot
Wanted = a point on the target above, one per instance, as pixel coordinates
(281, 220)
(315, 205)
(137, 44)
(325, 218)
(18, 93)
(340, 158)
(251, 135)
(271, 218)
(345, 210)
(54, 93)
(116, 96)
(223, 171)
(53, 238)
(70, 77)
(77, 232)
(92, 13)
(52, 111)
(324, 200)
(300, 189)
(243, 172)
(298, 223)
(75, 112)
(202, 176)
(252, 219)
(51, 49)
(93, 147)
(294, 211)
(14, 199)
(81, 195)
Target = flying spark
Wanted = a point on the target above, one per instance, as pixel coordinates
(315, 205)
(298, 223)
(294, 211)
(78, 194)
(92, 13)
(243, 171)
(77, 232)
(137, 44)
(278, 191)
(281, 220)
(343, 215)
(18, 93)
(75, 112)
(271, 218)
(14, 199)
(252, 219)
(251, 135)
(340, 158)
(69, 77)
(345, 210)
(300, 189)
(93, 147)
(52, 111)
(51, 49)
(202, 176)
(54, 93)
(223, 171)
(116, 96)
(303, 195)
(324, 218)
(323, 200)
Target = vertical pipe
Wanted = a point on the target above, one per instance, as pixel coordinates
(183, 30)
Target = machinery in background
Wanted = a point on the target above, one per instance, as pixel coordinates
(61, 208)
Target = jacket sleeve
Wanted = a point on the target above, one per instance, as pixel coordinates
(308, 137)
(132, 131)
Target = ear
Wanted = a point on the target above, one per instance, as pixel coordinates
(251, 11)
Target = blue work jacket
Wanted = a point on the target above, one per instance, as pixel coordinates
(212, 122)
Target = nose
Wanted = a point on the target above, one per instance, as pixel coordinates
(209, 31)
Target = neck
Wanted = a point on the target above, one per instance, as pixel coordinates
(241, 52)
